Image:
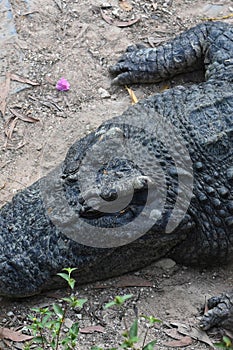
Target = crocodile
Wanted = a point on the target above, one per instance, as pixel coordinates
(154, 182)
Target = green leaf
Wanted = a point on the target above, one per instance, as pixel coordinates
(110, 304)
(129, 343)
(36, 309)
(74, 329)
(45, 319)
(220, 346)
(225, 344)
(65, 341)
(72, 283)
(41, 311)
(150, 346)
(98, 348)
(118, 300)
(151, 319)
(74, 302)
(64, 276)
(134, 330)
(38, 340)
(58, 310)
(26, 347)
(79, 303)
(70, 269)
(227, 341)
(53, 344)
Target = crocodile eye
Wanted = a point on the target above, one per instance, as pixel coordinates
(109, 195)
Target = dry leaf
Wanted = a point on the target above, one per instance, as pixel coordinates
(107, 19)
(173, 333)
(125, 5)
(12, 121)
(7, 333)
(121, 24)
(92, 329)
(10, 126)
(193, 332)
(164, 87)
(4, 91)
(133, 281)
(3, 186)
(184, 341)
(5, 88)
(217, 18)
(132, 95)
(125, 281)
(21, 79)
(23, 117)
(206, 306)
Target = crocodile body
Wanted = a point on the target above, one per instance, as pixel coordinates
(37, 240)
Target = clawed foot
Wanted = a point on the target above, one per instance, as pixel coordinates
(220, 312)
(133, 66)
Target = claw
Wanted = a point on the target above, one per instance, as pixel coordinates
(220, 312)
(121, 79)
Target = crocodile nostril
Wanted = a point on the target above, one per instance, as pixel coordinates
(109, 195)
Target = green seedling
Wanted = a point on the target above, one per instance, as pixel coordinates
(118, 301)
(47, 323)
(130, 336)
(225, 344)
(47, 326)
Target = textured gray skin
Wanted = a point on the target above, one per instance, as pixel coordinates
(33, 249)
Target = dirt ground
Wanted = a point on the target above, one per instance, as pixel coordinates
(71, 39)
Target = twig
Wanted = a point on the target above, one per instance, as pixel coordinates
(59, 5)
(5, 164)
(217, 18)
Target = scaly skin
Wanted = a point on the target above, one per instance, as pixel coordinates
(38, 238)
(211, 45)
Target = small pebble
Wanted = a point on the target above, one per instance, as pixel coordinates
(106, 5)
(104, 93)
(19, 346)
(165, 264)
(68, 323)
(115, 12)
(10, 314)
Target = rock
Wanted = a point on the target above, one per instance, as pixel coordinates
(10, 314)
(68, 323)
(213, 10)
(103, 93)
(165, 264)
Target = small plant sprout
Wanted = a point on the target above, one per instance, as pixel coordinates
(46, 327)
(130, 336)
(225, 344)
(118, 301)
(152, 320)
(47, 324)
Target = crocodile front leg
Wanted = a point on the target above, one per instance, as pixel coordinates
(220, 312)
(202, 46)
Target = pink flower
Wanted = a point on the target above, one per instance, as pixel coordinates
(63, 85)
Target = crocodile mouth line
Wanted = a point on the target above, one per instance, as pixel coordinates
(135, 206)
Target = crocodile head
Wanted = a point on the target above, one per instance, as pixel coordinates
(107, 184)
(116, 178)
